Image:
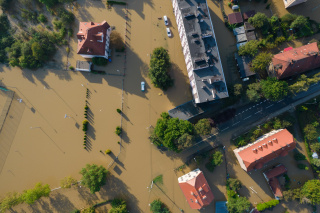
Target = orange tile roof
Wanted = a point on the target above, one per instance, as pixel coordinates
(196, 189)
(275, 187)
(296, 61)
(89, 37)
(279, 170)
(257, 154)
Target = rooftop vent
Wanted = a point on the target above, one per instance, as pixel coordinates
(200, 189)
(260, 147)
(275, 140)
(270, 143)
(265, 145)
(255, 150)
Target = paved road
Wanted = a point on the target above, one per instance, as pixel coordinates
(246, 115)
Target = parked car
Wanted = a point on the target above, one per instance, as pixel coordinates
(168, 32)
(142, 86)
(165, 18)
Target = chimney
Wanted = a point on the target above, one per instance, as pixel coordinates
(260, 147)
(255, 150)
(265, 145)
(270, 143)
(275, 140)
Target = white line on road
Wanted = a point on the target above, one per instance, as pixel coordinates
(269, 106)
(235, 123)
(280, 101)
(247, 117)
(258, 112)
(225, 129)
(260, 102)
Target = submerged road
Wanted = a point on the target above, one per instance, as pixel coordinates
(262, 110)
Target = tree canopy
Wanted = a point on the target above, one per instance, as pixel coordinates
(158, 207)
(259, 20)
(118, 206)
(273, 89)
(31, 195)
(168, 131)
(250, 48)
(159, 69)
(310, 132)
(253, 92)
(261, 61)
(94, 177)
(234, 184)
(203, 127)
(238, 205)
(311, 191)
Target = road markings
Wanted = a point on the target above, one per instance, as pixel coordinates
(235, 123)
(269, 106)
(225, 129)
(258, 112)
(280, 101)
(247, 117)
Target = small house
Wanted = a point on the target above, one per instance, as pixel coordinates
(243, 66)
(235, 18)
(248, 14)
(238, 30)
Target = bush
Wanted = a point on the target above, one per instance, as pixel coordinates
(99, 61)
(234, 184)
(267, 205)
(203, 127)
(42, 18)
(158, 207)
(299, 156)
(85, 125)
(67, 182)
(303, 166)
(118, 110)
(108, 151)
(118, 130)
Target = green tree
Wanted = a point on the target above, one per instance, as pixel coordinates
(310, 132)
(238, 205)
(315, 162)
(253, 92)
(237, 89)
(261, 61)
(118, 206)
(186, 140)
(67, 182)
(289, 17)
(89, 210)
(42, 18)
(259, 20)
(158, 207)
(311, 191)
(217, 158)
(300, 22)
(94, 177)
(49, 3)
(4, 4)
(37, 51)
(315, 146)
(159, 67)
(203, 127)
(250, 48)
(31, 195)
(234, 184)
(273, 89)
(100, 61)
(292, 194)
(10, 200)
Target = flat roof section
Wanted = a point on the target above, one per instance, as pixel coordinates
(200, 50)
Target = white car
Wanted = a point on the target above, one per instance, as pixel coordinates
(142, 85)
(165, 18)
(168, 32)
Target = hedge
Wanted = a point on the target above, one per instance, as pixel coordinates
(117, 2)
(267, 205)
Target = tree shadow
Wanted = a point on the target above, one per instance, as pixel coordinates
(61, 203)
(87, 196)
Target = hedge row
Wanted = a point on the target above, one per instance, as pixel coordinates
(267, 205)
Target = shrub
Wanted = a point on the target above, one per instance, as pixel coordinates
(99, 61)
(42, 18)
(299, 156)
(302, 166)
(269, 204)
(86, 107)
(75, 211)
(118, 110)
(118, 130)
(229, 4)
(85, 125)
(67, 182)
(71, 68)
(158, 207)
(108, 151)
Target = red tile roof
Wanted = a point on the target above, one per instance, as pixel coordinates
(296, 61)
(249, 14)
(275, 187)
(89, 38)
(235, 18)
(196, 189)
(255, 155)
(279, 170)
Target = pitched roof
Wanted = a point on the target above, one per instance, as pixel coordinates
(248, 26)
(92, 38)
(278, 170)
(196, 189)
(295, 61)
(235, 18)
(275, 187)
(265, 149)
(290, 3)
(249, 14)
(243, 65)
(251, 35)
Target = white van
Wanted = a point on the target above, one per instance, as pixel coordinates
(165, 18)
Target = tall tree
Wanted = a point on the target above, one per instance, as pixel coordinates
(94, 177)
(310, 132)
(31, 195)
(238, 205)
(311, 191)
(250, 48)
(203, 127)
(261, 61)
(259, 20)
(273, 89)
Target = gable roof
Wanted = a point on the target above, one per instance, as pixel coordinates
(248, 26)
(295, 61)
(278, 170)
(235, 18)
(196, 189)
(243, 63)
(249, 14)
(275, 187)
(266, 148)
(290, 3)
(92, 38)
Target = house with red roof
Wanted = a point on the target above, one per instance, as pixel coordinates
(272, 178)
(196, 189)
(268, 147)
(294, 61)
(94, 39)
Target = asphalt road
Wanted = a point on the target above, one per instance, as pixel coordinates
(253, 112)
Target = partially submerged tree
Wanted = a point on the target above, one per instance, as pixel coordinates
(94, 177)
(159, 69)
(31, 195)
(238, 205)
(118, 206)
(250, 48)
(237, 89)
(260, 62)
(311, 191)
(158, 207)
(203, 127)
(274, 89)
(259, 20)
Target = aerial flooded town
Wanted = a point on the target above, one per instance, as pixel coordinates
(159, 106)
